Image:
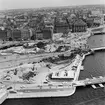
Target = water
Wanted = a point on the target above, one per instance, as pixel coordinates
(97, 41)
(94, 65)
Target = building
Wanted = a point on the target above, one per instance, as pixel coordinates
(60, 26)
(97, 20)
(96, 12)
(104, 18)
(45, 33)
(9, 35)
(79, 26)
(65, 74)
(39, 35)
(25, 34)
(32, 23)
(48, 32)
(89, 22)
(16, 35)
(3, 35)
(32, 33)
(1, 22)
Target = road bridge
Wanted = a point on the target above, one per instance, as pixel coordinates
(97, 30)
(96, 49)
(91, 81)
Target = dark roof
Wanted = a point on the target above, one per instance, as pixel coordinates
(38, 31)
(71, 21)
(64, 23)
(79, 22)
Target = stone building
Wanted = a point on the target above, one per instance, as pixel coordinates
(79, 26)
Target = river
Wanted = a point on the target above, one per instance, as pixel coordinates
(94, 65)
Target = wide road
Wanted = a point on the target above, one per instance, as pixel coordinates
(16, 59)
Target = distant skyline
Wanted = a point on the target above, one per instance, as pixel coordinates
(18, 4)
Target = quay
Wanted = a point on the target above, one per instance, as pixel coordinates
(3, 95)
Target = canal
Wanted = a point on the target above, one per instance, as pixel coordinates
(94, 65)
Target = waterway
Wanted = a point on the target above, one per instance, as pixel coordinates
(94, 65)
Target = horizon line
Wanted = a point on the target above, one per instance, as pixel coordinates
(50, 7)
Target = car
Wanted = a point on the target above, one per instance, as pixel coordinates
(9, 88)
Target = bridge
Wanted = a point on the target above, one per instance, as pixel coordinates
(97, 30)
(99, 80)
(96, 49)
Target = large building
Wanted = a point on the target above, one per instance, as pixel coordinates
(16, 35)
(32, 33)
(48, 32)
(9, 35)
(79, 26)
(89, 22)
(3, 35)
(97, 20)
(60, 26)
(25, 34)
(39, 35)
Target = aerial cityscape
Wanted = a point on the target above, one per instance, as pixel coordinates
(53, 55)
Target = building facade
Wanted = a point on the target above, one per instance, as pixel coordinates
(48, 33)
(3, 35)
(79, 26)
(16, 35)
(25, 34)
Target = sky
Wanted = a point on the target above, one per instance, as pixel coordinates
(18, 4)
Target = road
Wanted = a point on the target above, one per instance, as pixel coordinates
(11, 61)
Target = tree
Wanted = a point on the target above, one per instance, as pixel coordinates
(40, 45)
